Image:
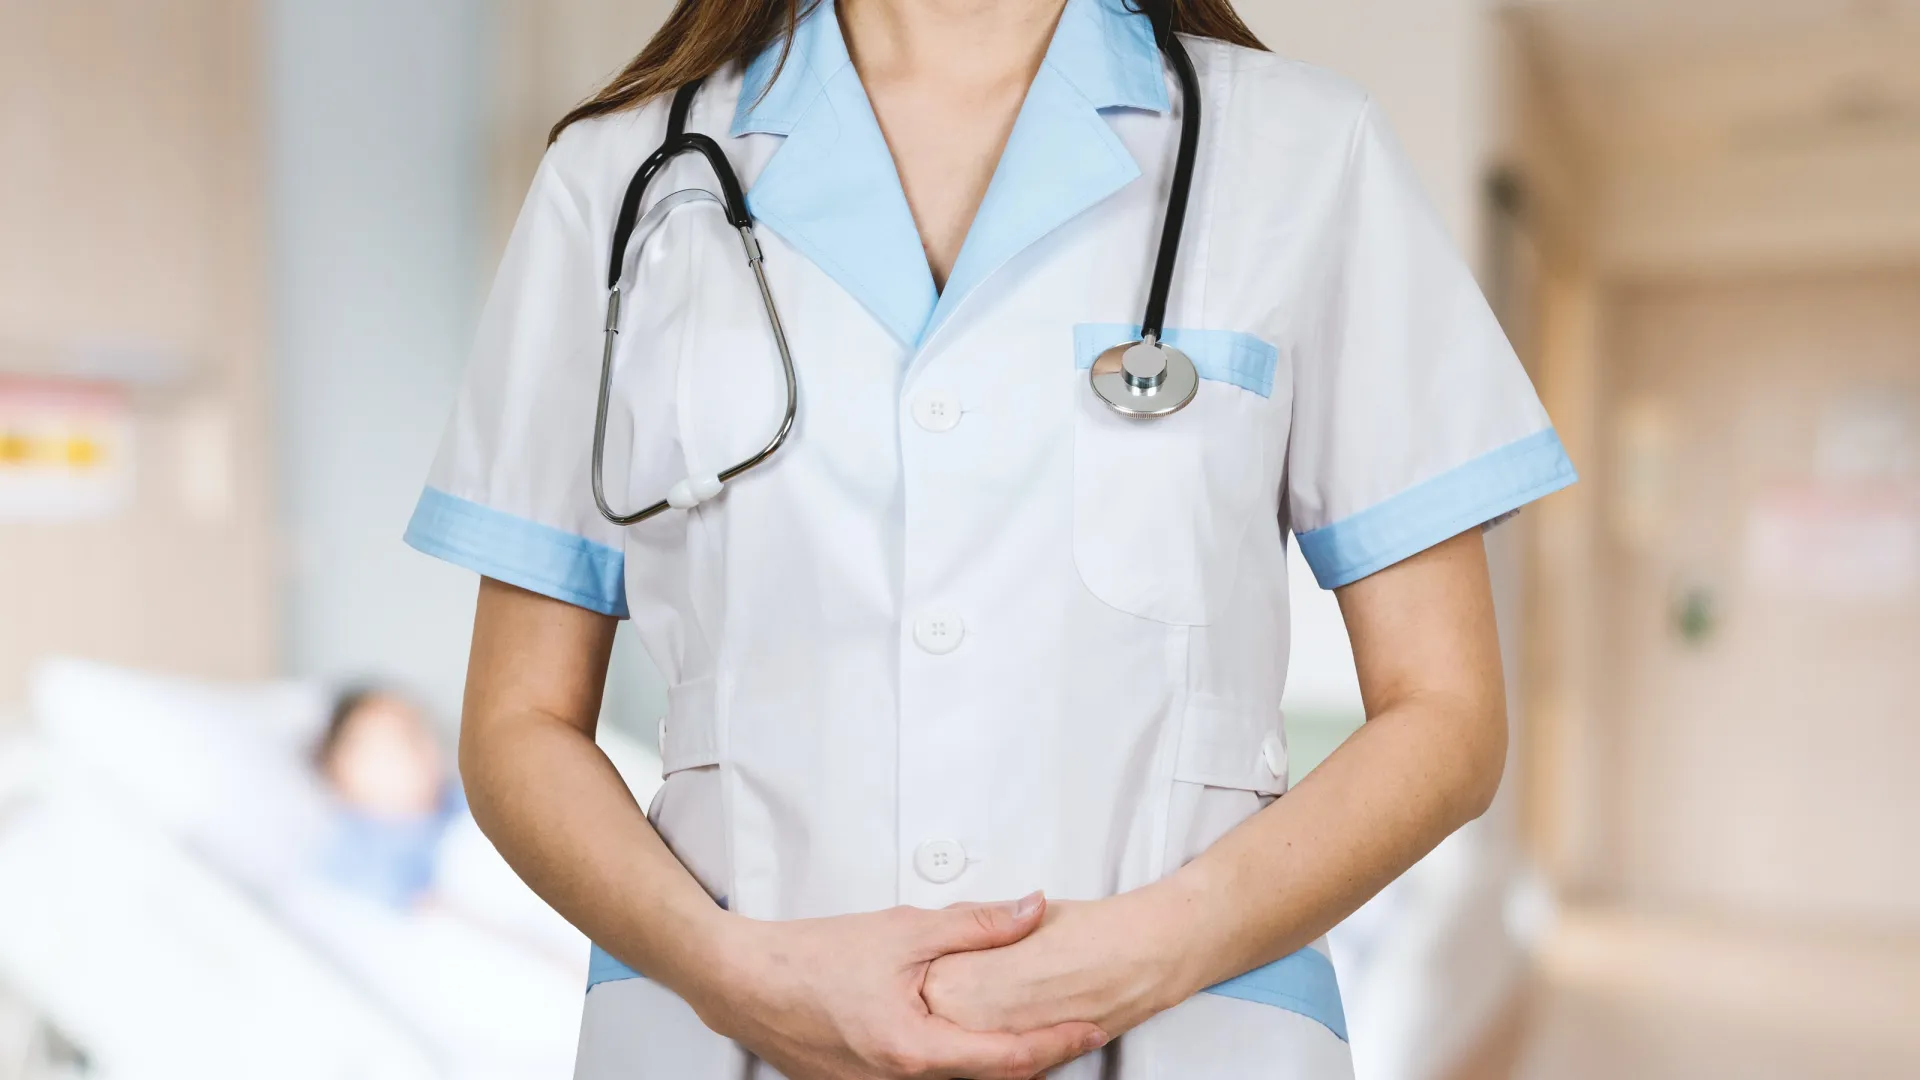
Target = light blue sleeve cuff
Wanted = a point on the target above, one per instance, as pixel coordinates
(519, 552)
(1488, 487)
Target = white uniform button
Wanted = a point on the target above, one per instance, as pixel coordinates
(938, 634)
(940, 861)
(936, 410)
(1273, 752)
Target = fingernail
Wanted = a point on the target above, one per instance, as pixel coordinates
(1028, 904)
(1096, 1040)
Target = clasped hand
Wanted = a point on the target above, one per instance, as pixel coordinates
(975, 991)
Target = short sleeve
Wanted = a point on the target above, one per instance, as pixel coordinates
(509, 494)
(1413, 420)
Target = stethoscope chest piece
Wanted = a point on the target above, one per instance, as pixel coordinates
(1144, 379)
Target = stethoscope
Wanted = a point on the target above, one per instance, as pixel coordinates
(1139, 379)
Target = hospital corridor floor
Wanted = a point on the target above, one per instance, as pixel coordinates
(1621, 996)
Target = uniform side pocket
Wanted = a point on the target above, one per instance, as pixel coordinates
(1231, 744)
(1230, 763)
(689, 811)
(689, 733)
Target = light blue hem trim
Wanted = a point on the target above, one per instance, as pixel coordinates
(602, 967)
(1226, 356)
(1303, 983)
(520, 552)
(1491, 485)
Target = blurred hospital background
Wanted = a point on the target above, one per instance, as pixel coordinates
(242, 247)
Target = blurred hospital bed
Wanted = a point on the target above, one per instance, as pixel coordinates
(158, 906)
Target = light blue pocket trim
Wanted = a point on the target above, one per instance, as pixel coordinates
(520, 552)
(1303, 983)
(1226, 356)
(1493, 484)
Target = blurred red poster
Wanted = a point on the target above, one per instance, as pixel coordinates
(1856, 542)
(66, 450)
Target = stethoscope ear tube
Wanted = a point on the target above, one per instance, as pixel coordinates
(633, 229)
(732, 198)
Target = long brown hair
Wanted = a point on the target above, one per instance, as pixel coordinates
(703, 36)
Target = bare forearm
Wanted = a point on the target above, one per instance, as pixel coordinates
(1407, 779)
(552, 802)
(818, 997)
(564, 820)
(1427, 761)
(1265, 890)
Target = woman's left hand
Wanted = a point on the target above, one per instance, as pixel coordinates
(1104, 961)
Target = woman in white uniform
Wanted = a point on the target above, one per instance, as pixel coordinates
(974, 755)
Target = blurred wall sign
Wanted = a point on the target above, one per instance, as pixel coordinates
(66, 450)
(1850, 542)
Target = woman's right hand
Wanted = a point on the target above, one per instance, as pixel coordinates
(840, 998)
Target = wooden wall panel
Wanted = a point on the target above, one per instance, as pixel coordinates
(131, 217)
(552, 54)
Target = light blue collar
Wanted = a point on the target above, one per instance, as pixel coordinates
(832, 191)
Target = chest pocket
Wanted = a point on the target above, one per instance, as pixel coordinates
(1160, 506)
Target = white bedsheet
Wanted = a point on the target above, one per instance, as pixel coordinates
(159, 904)
(161, 970)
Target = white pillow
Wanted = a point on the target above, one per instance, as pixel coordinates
(226, 767)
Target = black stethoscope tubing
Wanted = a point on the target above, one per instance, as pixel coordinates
(678, 141)
(1153, 322)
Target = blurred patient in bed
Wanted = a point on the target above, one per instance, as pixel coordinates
(393, 795)
(283, 836)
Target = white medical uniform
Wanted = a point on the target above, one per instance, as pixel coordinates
(971, 634)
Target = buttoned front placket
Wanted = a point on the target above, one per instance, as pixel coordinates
(939, 835)
(830, 190)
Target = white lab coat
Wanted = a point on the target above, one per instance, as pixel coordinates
(971, 634)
